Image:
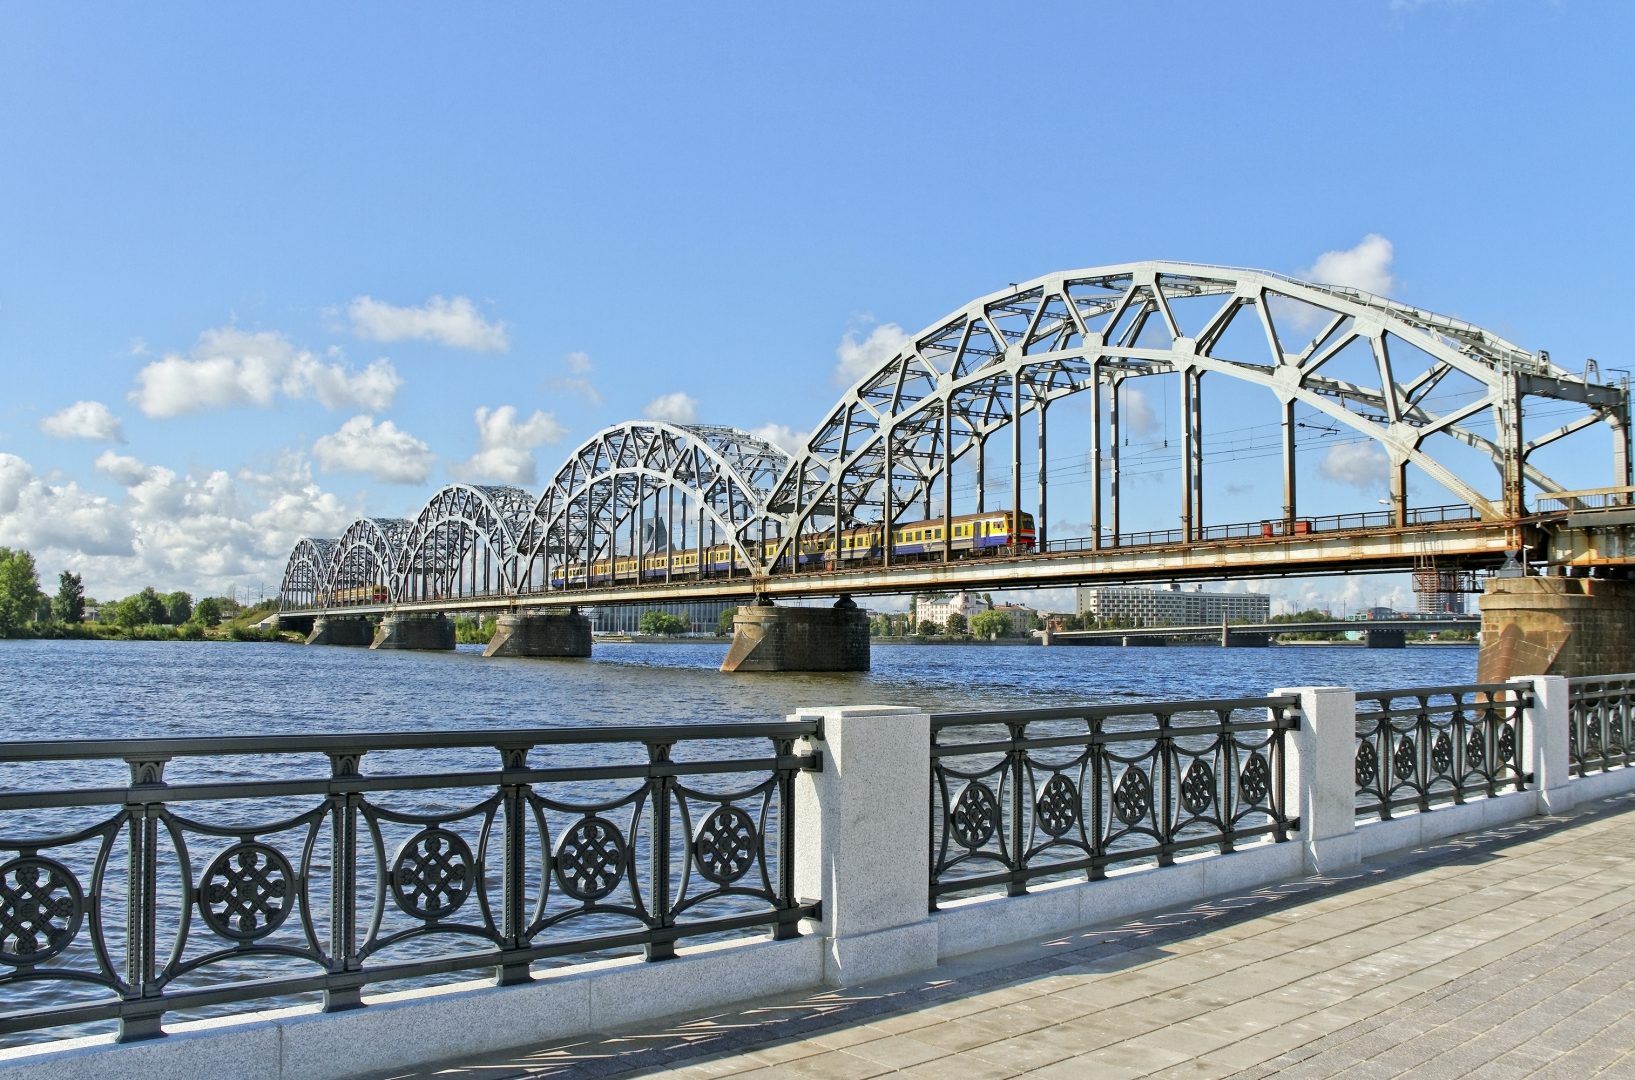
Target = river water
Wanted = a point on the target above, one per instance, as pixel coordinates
(102, 689)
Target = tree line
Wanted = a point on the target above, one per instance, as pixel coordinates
(26, 610)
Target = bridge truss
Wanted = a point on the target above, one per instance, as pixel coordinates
(919, 438)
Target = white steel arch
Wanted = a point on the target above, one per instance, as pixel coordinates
(363, 565)
(1011, 353)
(306, 573)
(466, 541)
(620, 490)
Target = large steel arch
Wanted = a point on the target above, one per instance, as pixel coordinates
(617, 494)
(465, 542)
(306, 574)
(363, 565)
(1012, 353)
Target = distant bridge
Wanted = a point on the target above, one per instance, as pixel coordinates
(894, 490)
(1379, 633)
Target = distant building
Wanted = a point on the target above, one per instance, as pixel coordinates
(1172, 606)
(1440, 603)
(703, 616)
(1018, 615)
(937, 609)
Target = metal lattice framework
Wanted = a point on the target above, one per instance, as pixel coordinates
(1004, 356)
(1410, 381)
(647, 485)
(306, 575)
(363, 562)
(465, 542)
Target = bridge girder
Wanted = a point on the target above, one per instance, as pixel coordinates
(1012, 353)
(1368, 364)
(365, 558)
(461, 522)
(603, 489)
(306, 572)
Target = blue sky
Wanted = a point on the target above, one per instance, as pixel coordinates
(265, 270)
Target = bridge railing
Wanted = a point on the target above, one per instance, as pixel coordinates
(1427, 746)
(1267, 529)
(148, 877)
(1024, 795)
(1602, 735)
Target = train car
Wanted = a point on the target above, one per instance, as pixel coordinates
(992, 533)
(362, 594)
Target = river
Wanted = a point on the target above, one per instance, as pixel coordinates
(100, 689)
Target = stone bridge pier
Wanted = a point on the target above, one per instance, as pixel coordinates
(1385, 639)
(770, 638)
(417, 630)
(543, 633)
(1556, 626)
(354, 630)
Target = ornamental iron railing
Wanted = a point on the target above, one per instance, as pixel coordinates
(222, 870)
(1021, 795)
(1601, 711)
(1427, 746)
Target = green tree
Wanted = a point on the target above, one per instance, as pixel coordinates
(989, 624)
(661, 622)
(140, 609)
(208, 611)
(68, 606)
(723, 625)
(956, 624)
(178, 607)
(927, 628)
(19, 591)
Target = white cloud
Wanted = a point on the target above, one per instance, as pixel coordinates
(1360, 465)
(860, 358)
(581, 387)
(229, 367)
(1136, 415)
(505, 446)
(39, 515)
(207, 534)
(125, 470)
(452, 322)
(792, 441)
(676, 408)
(1366, 266)
(84, 420)
(381, 450)
(577, 362)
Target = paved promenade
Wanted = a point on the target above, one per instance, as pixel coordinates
(1506, 954)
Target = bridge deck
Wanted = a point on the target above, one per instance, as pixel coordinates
(1452, 543)
(1501, 954)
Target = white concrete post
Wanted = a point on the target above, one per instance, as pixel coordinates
(862, 842)
(1324, 774)
(1546, 730)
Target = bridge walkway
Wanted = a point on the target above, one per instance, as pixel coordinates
(1501, 954)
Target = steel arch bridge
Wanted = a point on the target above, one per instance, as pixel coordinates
(894, 489)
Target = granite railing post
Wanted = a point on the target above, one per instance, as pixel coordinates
(863, 842)
(1546, 728)
(1322, 775)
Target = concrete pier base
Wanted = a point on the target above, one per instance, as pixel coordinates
(768, 638)
(1385, 639)
(1233, 640)
(414, 632)
(1556, 626)
(355, 630)
(557, 633)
